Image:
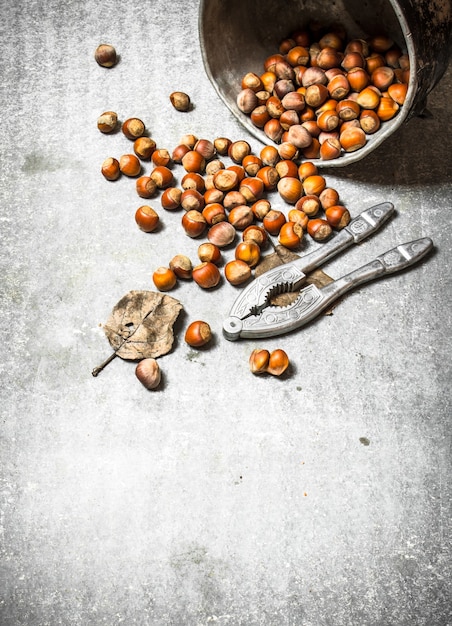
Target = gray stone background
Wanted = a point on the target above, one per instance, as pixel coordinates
(322, 498)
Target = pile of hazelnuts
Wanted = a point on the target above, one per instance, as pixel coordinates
(323, 95)
(218, 201)
(223, 200)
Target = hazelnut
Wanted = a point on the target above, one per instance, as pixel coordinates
(133, 128)
(233, 199)
(146, 218)
(251, 81)
(225, 180)
(273, 221)
(189, 140)
(246, 100)
(278, 362)
(148, 373)
(198, 334)
(249, 252)
(319, 229)
(208, 251)
(180, 101)
(193, 161)
(161, 157)
(146, 187)
(171, 198)
(310, 205)
(237, 272)
(162, 176)
(314, 185)
(110, 169)
(105, 55)
(214, 166)
(369, 121)
(252, 188)
(306, 169)
(192, 200)
(252, 164)
(130, 165)
(144, 147)
(256, 234)
(298, 55)
(269, 156)
(269, 176)
(337, 216)
(328, 197)
(241, 216)
(274, 130)
(221, 234)
(181, 266)
(205, 148)
(290, 235)
(258, 361)
(222, 145)
(107, 122)
(352, 139)
(213, 213)
(206, 275)
(261, 208)
(299, 217)
(179, 152)
(164, 278)
(290, 189)
(238, 150)
(387, 108)
(193, 223)
(299, 136)
(193, 180)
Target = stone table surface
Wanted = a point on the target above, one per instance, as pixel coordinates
(321, 498)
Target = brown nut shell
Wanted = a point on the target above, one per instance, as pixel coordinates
(198, 334)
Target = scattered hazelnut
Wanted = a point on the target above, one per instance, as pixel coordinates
(171, 197)
(319, 229)
(148, 373)
(146, 187)
(206, 275)
(105, 55)
(193, 223)
(221, 234)
(258, 361)
(133, 128)
(180, 101)
(181, 266)
(144, 147)
(249, 252)
(198, 334)
(162, 176)
(146, 218)
(110, 168)
(164, 278)
(107, 122)
(208, 251)
(237, 272)
(130, 165)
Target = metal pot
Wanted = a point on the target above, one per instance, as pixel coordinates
(237, 35)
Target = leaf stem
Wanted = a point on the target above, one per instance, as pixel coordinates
(100, 367)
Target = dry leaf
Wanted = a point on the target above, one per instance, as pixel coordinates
(141, 326)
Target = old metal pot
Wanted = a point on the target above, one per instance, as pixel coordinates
(237, 35)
